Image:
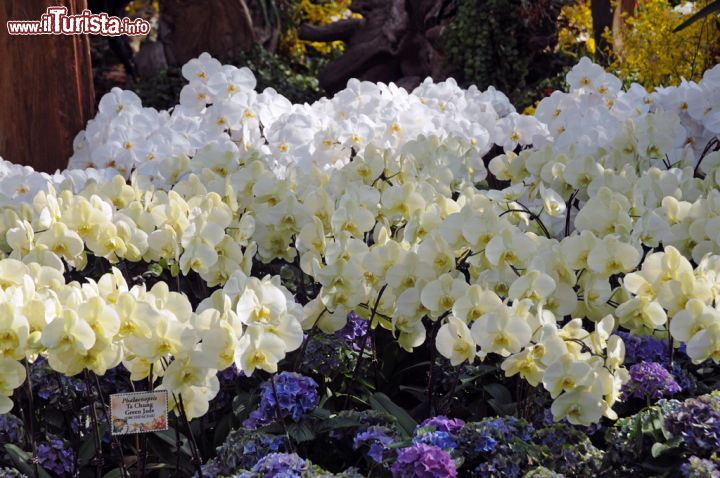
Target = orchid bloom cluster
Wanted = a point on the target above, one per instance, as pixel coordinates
(154, 333)
(606, 219)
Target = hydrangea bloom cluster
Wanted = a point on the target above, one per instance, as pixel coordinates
(697, 421)
(293, 395)
(241, 450)
(11, 473)
(700, 468)
(56, 456)
(378, 438)
(487, 435)
(442, 423)
(354, 330)
(383, 198)
(11, 429)
(644, 348)
(651, 380)
(570, 449)
(423, 461)
(279, 465)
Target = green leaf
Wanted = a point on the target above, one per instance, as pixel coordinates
(500, 407)
(418, 392)
(659, 448)
(321, 413)
(115, 473)
(21, 461)
(159, 466)
(168, 436)
(87, 451)
(499, 392)
(154, 270)
(300, 432)
(709, 9)
(222, 430)
(382, 403)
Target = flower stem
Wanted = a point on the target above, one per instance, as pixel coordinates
(97, 459)
(363, 343)
(31, 419)
(116, 443)
(193, 444)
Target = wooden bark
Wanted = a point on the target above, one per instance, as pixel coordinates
(602, 18)
(188, 28)
(396, 40)
(47, 88)
(623, 10)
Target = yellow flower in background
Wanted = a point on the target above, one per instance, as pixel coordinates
(650, 53)
(653, 54)
(575, 32)
(314, 12)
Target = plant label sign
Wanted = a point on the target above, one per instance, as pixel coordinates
(139, 412)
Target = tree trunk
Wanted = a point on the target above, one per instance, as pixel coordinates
(188, 28)
(602, 18)
(47, 88)
(396, 40)
(624, 9)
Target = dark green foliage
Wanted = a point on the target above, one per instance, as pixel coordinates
(508, 44)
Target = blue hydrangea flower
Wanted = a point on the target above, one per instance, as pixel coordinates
(354, 330)
(296, 395)
(241, 450)
(56, 456)
(378, 437)
(485, 444)
(684, 378)
(327, 355)
(423, 461)
(11, 429)
(281, 465)
(439, 439)
(644, 348)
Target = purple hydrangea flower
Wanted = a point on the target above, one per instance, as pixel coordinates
(443, 424)
(650, 379)
(378, 437)
(423, 461)
(697, 421)
(296, 395)
(281, 465)
(699, 468)
(56, 456)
